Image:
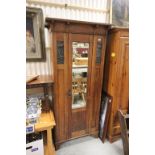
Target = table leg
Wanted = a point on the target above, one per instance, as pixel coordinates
(50, 145)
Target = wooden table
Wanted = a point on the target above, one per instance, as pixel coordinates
(41, 81)
(46, 123)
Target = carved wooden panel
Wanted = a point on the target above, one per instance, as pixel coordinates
(78, 120)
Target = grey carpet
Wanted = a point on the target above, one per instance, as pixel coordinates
(90, 146)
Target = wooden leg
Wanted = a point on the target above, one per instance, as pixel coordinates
(57, 146)
(50, 145)
(124, 133)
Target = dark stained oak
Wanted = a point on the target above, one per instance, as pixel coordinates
(74, 123)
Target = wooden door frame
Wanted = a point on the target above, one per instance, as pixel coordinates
(89, 39)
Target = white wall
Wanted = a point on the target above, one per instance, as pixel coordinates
(82, 10)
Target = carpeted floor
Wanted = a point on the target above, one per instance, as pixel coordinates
(90, 146)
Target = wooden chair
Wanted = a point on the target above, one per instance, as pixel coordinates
(124, 131)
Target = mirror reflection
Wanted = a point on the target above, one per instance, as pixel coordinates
(79, 74)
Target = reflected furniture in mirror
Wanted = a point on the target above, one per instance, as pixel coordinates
(77, 58)
(79, 74)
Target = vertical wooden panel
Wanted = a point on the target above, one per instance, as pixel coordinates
(96, 99)
(78, 121)
(124, 93)
(96, 83)
(60, 88)
(116, 80)
(60, 105)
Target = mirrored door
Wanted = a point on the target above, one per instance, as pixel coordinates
(79, 74)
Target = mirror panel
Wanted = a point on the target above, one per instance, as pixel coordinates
(79, 74)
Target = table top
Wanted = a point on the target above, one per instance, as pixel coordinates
(46, 120)
(41, 79)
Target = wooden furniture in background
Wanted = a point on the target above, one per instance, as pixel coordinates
(124, 131)
(116, 76)
(76, 122)
(31, 78)
(45, 81)
(40, 80)
(46, 120)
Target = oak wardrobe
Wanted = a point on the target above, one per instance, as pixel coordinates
(77, 54)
